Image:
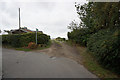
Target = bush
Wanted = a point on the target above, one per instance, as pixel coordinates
(32, 45)
(60, 39)
(22, 40)
(79, 36)
(15, 40)
(5, 39)
(105, 45)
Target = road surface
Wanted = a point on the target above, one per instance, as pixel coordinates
(38, 64)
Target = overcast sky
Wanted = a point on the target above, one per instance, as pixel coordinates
(50, 16)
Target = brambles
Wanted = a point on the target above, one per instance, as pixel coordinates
(32, 45)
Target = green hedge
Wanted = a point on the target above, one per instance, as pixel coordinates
(105, 45)
(21, 40)
(79, 36)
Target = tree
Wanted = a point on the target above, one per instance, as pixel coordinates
(73, 25)
(96, 16)
(100, 31)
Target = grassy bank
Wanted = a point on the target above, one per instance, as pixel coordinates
(91, 64)
(27, 49)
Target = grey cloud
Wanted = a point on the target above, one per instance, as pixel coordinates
(50, 17)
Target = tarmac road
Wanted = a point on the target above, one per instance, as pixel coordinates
(20, 64)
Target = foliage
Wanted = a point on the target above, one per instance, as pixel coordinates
(105, 45)
(21, 40)
(32, 45)
(39, 47)
(90, 62)
(99, 31)
(14, 40)
(73, 25)
(97, 16)
(79, 36)
(60, 39)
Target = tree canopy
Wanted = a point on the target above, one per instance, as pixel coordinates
(99, 31)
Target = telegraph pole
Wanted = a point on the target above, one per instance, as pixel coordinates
(36, 35)
(19, 19)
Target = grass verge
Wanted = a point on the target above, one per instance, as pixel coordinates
(92, 65)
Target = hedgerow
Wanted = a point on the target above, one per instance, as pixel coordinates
(22, 40)
(79, 36)
(105, 45)
(99, 31)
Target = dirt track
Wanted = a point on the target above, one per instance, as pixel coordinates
(62, 50)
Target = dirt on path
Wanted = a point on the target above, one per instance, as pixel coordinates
(63, 50)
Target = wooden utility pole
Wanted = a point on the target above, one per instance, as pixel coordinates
(36, 35)
(19, 19)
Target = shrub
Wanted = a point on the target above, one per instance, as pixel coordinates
(15, 40)
(5, 39)
(22, 40)
(105, 45)
(79, 36)
(60, 39)
(42, 45)
(32, 45)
